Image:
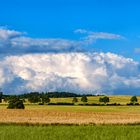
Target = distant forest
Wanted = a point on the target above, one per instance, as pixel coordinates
(35, 97)
(48, 94)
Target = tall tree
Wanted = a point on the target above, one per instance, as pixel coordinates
(45, 99)
(133, 99)
(1, 94)
(15, 103)
(84, 98)
(74, 100)
(104, 99)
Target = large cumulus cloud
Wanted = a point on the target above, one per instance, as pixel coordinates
(75, 72)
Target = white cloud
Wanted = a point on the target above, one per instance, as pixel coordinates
(75, 72)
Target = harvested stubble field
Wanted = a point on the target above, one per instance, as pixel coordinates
(72, 115)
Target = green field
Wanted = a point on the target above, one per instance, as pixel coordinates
(133, 109)
(99, 132)
(65, 108)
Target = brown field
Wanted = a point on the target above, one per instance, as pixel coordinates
(71, 115)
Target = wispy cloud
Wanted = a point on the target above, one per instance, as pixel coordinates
(9, 34)
(12, 41)
(137, 50)
(93, 36)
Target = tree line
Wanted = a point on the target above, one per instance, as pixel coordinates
(49, 94)
(17, 101)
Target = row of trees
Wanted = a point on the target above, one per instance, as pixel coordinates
(104, 99)
(84, 99)
(35, 99)
(17, 103)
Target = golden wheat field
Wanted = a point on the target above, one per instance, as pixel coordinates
(72, 115)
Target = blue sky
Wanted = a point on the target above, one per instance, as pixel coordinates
(59, 18)
(70, 45)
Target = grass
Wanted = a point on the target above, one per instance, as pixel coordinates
(135, 109)
(80, 108)
(99, 132)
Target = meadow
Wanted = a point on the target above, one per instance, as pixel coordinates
(61, 132)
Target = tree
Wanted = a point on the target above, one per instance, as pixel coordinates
(1, 94)
(84, 98)
(74, 100)
(45, 99)
(133, 99)
(15, 103)
(34, 99)
(104, 99)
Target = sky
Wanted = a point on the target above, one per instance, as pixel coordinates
(82, 46)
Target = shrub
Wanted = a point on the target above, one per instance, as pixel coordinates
(19, 104)
(11, 105)
(104, 99)
(129, 104)
(84, 99)
(74, 100)
(113, 104)
(16, 103)
(45, 99)
(137, 104)
(1, 94)
(132, 104)
(133, 99)
(41, 104)
(85, 104)
(80, 104)
(60, 103)
(34, 99)
(95, 104)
